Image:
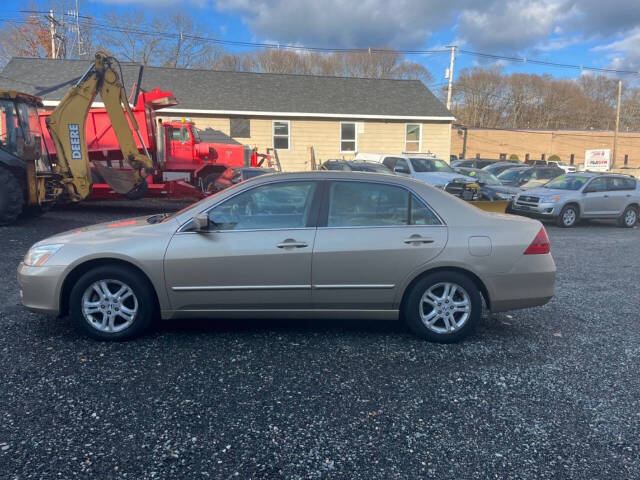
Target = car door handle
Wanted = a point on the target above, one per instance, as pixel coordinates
(605, 196)
(292, 244)
(414, 240)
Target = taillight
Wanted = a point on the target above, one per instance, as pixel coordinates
(540, 244)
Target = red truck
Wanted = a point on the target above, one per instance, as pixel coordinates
(185, 167)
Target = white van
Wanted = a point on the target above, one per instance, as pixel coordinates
(426, 168)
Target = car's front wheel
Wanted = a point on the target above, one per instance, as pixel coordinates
(443, 307)
(629, 217)
(112, 303)
(568, 217)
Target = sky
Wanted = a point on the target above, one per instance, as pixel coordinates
(595, 33)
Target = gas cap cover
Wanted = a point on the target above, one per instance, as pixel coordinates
(480, 246)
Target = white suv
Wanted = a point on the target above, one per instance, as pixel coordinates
(428, 169)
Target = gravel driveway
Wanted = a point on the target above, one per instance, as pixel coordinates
(551, 392)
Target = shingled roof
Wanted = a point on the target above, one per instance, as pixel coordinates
(210, 91)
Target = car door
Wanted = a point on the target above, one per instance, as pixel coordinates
(621, 190)
(371, 235)
(256, 254)
(596, 201)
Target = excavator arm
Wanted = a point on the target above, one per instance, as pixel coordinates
(67, 127)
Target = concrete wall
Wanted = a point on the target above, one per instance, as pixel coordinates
(490, 143)
(324, 136)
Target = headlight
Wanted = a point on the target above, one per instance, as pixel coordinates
(39, 255)
(552, 199)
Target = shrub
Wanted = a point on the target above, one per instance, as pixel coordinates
(515, 157)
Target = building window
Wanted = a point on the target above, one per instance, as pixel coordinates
(281, 134)
(239, 128)
(348, 139)
(413, 137)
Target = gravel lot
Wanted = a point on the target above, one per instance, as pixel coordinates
(551, 392)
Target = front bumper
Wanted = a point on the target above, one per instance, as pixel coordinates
(40, 287)
(539, 210)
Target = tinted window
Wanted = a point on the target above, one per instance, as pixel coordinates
(430, 165)
(621, 183)
(280, 205)
(389, 162)
(356, 204)
(567, 182)
(598, 185)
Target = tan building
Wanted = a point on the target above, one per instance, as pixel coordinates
(491, 143)
(336, 116)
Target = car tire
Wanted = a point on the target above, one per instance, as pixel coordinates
(629, 217)
(569, 216)
(132, 312)
(11, 197)
(425, 307)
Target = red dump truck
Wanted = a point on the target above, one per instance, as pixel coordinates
(185, 166)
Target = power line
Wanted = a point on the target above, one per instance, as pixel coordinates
(278, 46)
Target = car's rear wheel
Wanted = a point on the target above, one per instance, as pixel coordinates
(443, 307)
(629, 217)
(568, 217)
(112, 303)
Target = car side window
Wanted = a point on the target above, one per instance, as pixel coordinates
(598, 185)
(273, 206)
(402, 163)
(389, 162)
(362, 204)
(621, 183)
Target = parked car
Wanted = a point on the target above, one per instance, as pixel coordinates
(499, 167)
(354, 166)
(490, 186)
(477, 162)
(535, 162)
(431, 170)
(528, 177)
(575, 196)
(564, 166)
(313, 244)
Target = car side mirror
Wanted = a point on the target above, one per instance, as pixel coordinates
(588, 190)
(201, 222)
(399, 169)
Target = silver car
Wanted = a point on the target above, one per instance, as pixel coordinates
(584, 195)
(301, 245)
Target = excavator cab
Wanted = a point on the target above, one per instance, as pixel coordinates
(25, 170)
(20, 134)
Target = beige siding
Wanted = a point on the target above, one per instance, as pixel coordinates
(324, 136)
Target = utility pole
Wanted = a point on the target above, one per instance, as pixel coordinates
(450, 75)
(52, 30)
(615, 135)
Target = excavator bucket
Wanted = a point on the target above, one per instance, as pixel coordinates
(122, 181)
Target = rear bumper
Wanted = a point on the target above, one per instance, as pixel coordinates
(39, 288)
(530, 283)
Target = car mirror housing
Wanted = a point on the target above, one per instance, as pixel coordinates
(201, 222)
(401, 170)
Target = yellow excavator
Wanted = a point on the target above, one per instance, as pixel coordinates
(29, 182)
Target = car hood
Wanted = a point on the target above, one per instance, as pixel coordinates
(104, 233)
(502, 189)
(547, 192)
(440, 179)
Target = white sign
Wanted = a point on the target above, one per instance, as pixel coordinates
(597, 160)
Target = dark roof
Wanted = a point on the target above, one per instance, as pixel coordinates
(240, 91)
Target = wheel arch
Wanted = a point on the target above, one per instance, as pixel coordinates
(572, 204)
(482, 288)
(74, 274)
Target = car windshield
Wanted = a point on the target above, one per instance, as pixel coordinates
(367, 167)
(567, 182)
(430, 165)
(511, 174)
(483, 177)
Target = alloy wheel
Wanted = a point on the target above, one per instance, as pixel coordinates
(445, 307)
(109, 305)
(631, 217)
(569, 217)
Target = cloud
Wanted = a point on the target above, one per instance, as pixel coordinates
(624, 54)
(510, 26)
(345, 23)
